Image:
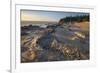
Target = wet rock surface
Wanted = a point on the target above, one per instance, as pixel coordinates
(53, 43)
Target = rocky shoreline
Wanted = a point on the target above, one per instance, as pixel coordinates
(54, 43)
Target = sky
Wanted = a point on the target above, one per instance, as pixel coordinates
(53, 16)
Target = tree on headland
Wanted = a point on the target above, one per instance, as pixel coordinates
(80, 18)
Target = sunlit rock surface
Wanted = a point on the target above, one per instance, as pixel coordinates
(54, 43)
